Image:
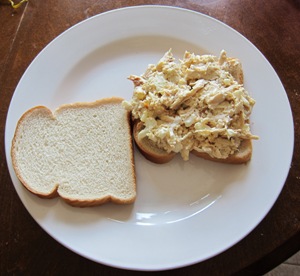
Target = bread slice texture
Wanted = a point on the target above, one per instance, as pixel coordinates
(82, 152)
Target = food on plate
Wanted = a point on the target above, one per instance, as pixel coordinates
(197, 105)
(149, 148)
(82, 152)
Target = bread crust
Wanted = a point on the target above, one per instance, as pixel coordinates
(148, 149)
(54, 192)
(242, 156)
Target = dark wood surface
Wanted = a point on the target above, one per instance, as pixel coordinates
(273, 26)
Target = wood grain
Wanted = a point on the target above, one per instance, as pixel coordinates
(273, 26)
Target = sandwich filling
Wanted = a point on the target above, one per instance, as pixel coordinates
(198, 103)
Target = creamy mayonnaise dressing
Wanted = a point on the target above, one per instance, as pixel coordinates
(198, 103)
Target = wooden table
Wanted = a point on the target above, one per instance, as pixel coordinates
(273, 26)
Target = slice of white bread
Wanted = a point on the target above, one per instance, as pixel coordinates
(81, 152)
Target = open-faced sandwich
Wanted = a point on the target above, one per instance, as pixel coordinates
(197, 105)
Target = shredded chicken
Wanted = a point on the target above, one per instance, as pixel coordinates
(194, 104)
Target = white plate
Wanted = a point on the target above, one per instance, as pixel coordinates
(185, 212)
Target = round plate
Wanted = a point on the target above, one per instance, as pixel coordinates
(185, 212)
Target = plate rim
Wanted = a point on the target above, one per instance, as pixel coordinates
(116, 11)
